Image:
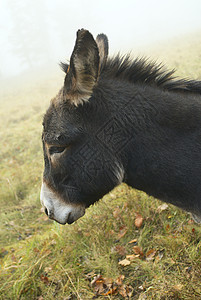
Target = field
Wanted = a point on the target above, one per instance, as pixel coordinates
(127, 246)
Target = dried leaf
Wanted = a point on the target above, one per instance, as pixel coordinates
(138, 221)
(108, 281)
(48, 269)
(122, 291)
(120, 250)
(132, 256)
(125, 262)
(160, 255)
(122, 231)
(36, 250)
(96, 278)
(129, 291)
(103, 286)
(150, 254)
(97, 283)
(111, 291)
(44, 279)
(120, 279)
(138, 250)
(133, 241)
(162, 207)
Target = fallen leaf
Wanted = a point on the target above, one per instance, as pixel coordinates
(150, 254)
(125, 262)
(44, 279)
(162, 207)
(133, 241)
(120, 250)
(112, 291)
(122, 231)
(160, 255)
(107, 286)
(36, 250)
(120, 279)
(138, 221)
(129, 291)
(132, 256)
(103, 286)
(108, 281)
(97, 283)
(122, 291)
(96, 278)
(47, 269)
(138, 250)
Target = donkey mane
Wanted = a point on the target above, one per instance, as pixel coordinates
(141, 70)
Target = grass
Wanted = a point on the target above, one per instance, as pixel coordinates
(40, 259)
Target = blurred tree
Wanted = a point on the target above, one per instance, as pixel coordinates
(29, 37)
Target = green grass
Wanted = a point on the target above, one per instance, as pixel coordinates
(40, 259)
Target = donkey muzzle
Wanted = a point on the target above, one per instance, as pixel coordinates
(58, 210)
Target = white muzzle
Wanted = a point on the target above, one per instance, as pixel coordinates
(57, 209)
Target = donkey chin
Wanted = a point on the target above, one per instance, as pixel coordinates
(58, 210)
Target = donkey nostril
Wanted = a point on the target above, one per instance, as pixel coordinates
(49, 213)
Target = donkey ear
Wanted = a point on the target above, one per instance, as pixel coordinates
(82, 73)
(103, 46)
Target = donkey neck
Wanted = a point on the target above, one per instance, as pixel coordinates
(165, 144)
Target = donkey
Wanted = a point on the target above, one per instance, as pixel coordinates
(120, 120)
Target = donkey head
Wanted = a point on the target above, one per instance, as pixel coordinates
(79, 169)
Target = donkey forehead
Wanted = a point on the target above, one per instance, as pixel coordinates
(56, 116)
(61, 125)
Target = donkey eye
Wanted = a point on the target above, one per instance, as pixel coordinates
(56, 149)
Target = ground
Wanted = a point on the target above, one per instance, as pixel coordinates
(128, 246)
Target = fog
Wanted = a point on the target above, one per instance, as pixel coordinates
(41, 32)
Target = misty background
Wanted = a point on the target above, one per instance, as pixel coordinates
(42, 32)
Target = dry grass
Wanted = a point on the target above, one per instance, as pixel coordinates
(40, 259)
